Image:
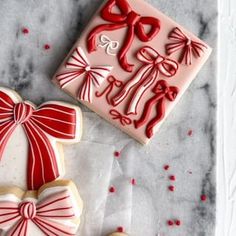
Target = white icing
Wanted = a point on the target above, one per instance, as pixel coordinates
(109, 45)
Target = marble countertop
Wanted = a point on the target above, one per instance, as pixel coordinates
(142, 209)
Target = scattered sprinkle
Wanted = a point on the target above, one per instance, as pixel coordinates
(133, 181)
(172, 178)
(170, 222)
(120, 229)
(178, 222)
(25, 30)
(190, 132)
(117, 154)
(203, 198)
(112, 189)
(166, 167)
(47, 46)
(171, 188)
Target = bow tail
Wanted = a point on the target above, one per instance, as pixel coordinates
(91, 41)
(42, 163)
(139, 92)
(19, 229)
(54, 228)
(160, 110)
(186, 56)
(86, 90)
(147, 110)
(6, 129)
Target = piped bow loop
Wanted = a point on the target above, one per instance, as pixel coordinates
(187, 46)
(109, 45)
(162, 92)
(153, 66)
(80, 68)
(49, 121)
(54, 214)
(127, 18)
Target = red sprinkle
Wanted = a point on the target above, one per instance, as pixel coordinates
(172, 178)
(166, 167)
(47, 46)
(203, 198)
(171, 188)
(25, 31)
(117, 154)
(112, 189)
(178, 222)
(120, 229)
(190, 132)
(133, 181)
(170, 222)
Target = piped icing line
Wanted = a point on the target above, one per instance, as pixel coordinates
(112, 82)
(80, 68)
(162, 92)
(43, 126)
(127, 18)
(153, 65)
(116, 115)
(109, 45)
(185, 45)
(55, 210)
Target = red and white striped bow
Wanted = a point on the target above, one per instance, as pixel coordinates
(153, 65)
(52, 214)
(80, 68)
(51, 122)
(188, 47)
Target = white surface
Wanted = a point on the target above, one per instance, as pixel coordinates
(226, 177)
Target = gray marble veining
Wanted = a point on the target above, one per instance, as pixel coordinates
(28, 68)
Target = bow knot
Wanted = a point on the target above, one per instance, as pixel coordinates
(159, 60)
(133, 18)
(22, 112)
(27, 210)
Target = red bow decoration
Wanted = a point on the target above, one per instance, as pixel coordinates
(126, 18)
(154, 65)
(80, 68)
(53, 215)
(113, 82)
(118, 116)
(162, 91)
(50, 120)
(188, 47)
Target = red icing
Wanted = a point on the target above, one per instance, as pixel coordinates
(172, 178)
(129, 19)
(171, 188)
(190, 132)
(120, 229)
(162, 92)
(112, 82)
(47, 46)
(170, 222)
(112, 189)
(48, 215)
(133, 181)
(25, 31)
(166, 167)
(178, 222)
(153, 65)
(51, 119)
(203, 198)
(188, 47)
(118, 116)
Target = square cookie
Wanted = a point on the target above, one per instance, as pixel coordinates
(131, 65)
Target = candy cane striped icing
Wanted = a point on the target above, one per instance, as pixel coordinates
(79, 68)
(55, 212)
(44, 127)
(185, 45)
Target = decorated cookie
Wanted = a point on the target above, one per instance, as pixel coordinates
(31, 138)
(131, 66)
(118, 234)
(54, 209)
